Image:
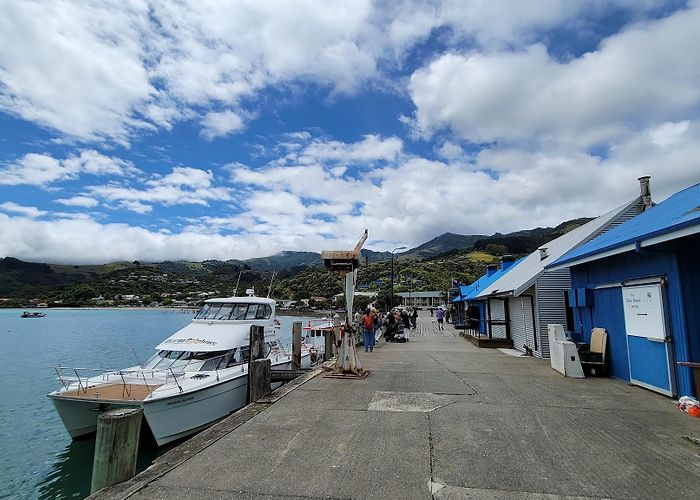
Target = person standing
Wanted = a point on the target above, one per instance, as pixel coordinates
(414, 318)
(377, 328)
(368, 330)
(440, 316)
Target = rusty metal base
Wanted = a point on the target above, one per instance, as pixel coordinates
(349, 376)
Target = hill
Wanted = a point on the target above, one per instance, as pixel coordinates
(441, 244)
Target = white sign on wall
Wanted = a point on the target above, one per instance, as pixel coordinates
(644, 313)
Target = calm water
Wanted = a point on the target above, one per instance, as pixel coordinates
(37, 457)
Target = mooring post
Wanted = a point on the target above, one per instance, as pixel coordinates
(330, 337)
(259, 367)
(296, 345)
(116, 447)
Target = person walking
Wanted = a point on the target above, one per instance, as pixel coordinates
(440, 316)
(414, 318)
(368, 330)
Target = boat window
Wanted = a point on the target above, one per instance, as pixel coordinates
(168, 358)
(153, 360)
(239, 311)
(217, 361)
(225, 311)
(252, 311)
(264, 312)
(245, 353)
(203, 312)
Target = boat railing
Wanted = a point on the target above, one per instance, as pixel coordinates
(68, 375)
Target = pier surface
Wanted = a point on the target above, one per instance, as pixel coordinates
(440, 418)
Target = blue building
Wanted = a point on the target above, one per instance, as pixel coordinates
(474, 314)
(521, 303)
(641, 282)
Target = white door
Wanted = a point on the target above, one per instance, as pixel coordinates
(648, 338)
(497, 312)
(521, 326)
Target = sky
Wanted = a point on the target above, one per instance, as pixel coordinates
(193, 130)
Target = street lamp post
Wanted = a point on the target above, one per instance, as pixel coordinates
(391, 298)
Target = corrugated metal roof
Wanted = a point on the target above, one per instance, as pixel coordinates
(521, 278)
(463, 291)
(677, 212)
(470, 292)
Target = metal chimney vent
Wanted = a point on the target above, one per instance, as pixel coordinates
(645, 192)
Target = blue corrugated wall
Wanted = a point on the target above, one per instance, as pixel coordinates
(683, 276)
(689, 268)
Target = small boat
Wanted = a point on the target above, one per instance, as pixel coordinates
(27, 314)
(197, 376)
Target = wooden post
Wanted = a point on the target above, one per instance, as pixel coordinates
(259, 366)
(296, 345)
(329, 338)
(116, 447)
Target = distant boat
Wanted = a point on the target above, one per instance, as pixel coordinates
(27, 314)
(42, 305)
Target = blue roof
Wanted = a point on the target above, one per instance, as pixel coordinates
(677, 212)
(463, 291)
(471, 291)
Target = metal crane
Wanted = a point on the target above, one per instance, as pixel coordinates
(346, 262)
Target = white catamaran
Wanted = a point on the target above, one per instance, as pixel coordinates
(196, 377)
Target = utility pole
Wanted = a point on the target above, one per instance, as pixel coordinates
(391, 298)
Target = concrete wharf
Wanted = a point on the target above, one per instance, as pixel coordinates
(439, 418)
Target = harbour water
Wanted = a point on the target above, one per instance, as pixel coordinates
(37, 457)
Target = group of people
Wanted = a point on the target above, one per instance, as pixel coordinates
(397, 324)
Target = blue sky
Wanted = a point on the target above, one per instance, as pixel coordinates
(149, 130)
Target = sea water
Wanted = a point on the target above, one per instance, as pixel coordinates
(37, 457)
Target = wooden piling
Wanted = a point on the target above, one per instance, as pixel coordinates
(116, 447)
(296, 345)
(259, 379)
(259, 367)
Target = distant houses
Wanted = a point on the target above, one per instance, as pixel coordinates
(424, 300)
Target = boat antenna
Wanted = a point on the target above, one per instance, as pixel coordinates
(269, 289)
(235, 292)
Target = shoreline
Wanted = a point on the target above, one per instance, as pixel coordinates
(312, 313)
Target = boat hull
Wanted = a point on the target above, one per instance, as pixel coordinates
(79, 416)
(176, 417)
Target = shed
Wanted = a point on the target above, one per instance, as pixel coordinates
(474, 315)
(529, 297)
(641, 282)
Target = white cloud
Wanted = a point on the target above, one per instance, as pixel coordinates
(220, 124)
(96, 71)
(43, 169)
(78, 201)
(371, 148)
(450, 150)
(12, 207)
(647, 73)
(109, 69)
(182, 186)
(86, 241)
(74, 67)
